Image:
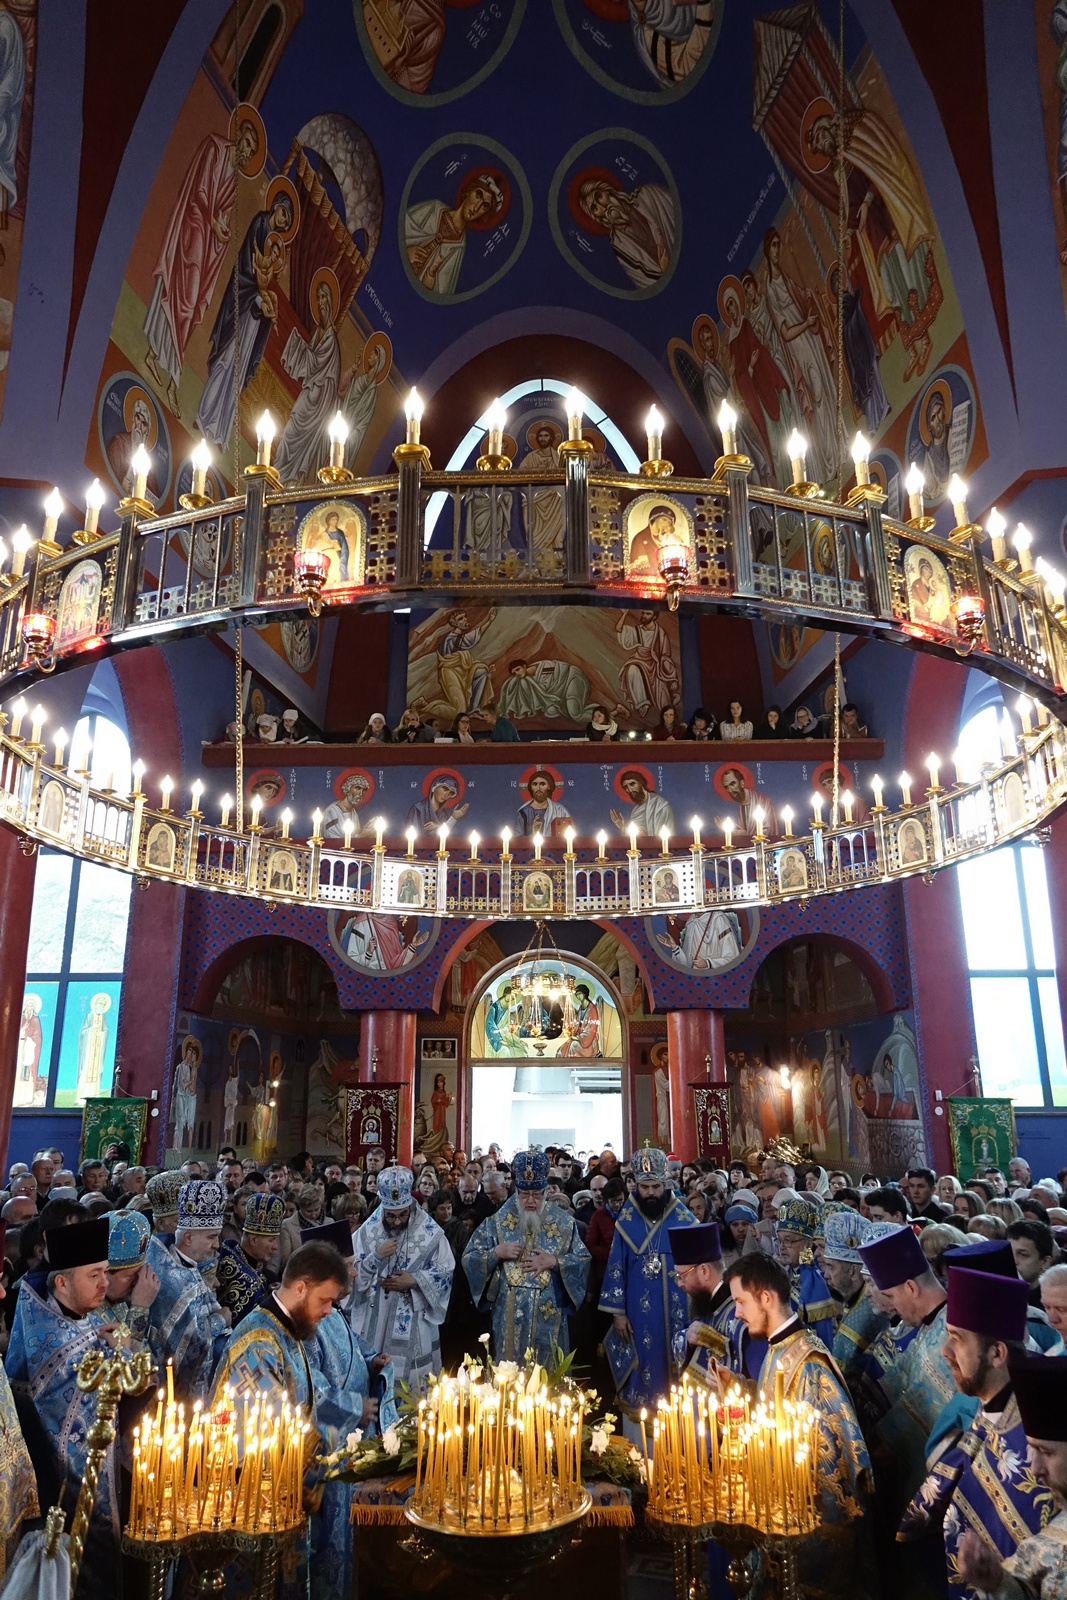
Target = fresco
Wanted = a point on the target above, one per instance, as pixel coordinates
(381, 943)
(703, 941)
(18, 73)
(435, 1096)
(548, 1009)
(1050, 18)
(129, 418)
(430, 53)
(647, 58)
(615, 213)
(546, 667)
(464, 217)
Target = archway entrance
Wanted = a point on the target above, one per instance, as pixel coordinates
(546, 1054)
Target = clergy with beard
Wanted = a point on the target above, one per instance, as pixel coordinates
(186, 1321)
(841, 1561)
(708, 1342)
(268, 1356)
(640, 1290)
(528, 1264)
(842, 1266)
(404, 1268)
(982, 1480)
(799, 1228)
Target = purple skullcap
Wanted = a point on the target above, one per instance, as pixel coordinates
(695, 1245)
(895, 1258)
(1040, 1384)
(986, 1255)
(987, 1304)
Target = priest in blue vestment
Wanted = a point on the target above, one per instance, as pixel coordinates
(640, 1290)
(709, 1341)
(982, 1480)
(351, 1382)
(799, 1228)
(187, 1324)
(163, 1189)
(842, 1265)
(241, 1271)
(528, 1264)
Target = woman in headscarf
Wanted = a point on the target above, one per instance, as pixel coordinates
(377, 730)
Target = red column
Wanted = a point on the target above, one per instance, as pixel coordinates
(692, 1036)
(387, 1055)
(1056, 873)
(17, 874)
(153, 958)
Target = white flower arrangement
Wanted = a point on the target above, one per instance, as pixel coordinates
(391, 1442)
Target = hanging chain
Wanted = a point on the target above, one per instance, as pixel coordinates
(239, 707)
(837, 727)
(842, 226)
(235, 235)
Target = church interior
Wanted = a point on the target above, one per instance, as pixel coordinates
(378, 398)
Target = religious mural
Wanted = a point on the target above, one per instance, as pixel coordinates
(18, 73)
(615, 213)
(465, 217)
(1051, 26)
(436, 1090)
(546, 667)
(647, 58)
(381, 943)
(548, 1009)
(703, 941)
(430, 54)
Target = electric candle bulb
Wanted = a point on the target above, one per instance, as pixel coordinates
(727, 426)
(905, 788)
(846, 801)
(654, 434)
(476, 840)
(505, 839)
(995, 526)
(53, 510)
(495, 418)
(861, 455)
(18, 711)
(21, 545)
(787, 818)
(141, 462)
(632, 830)
(37, 725)
(727, 826)
(201, 459)
(442, 834)
(957, 493)
(575, 407)
(198, 789)
(257, 807)
(816, 809)
(61, 745)
(758, 815)
(413, 416)
(878, 786)
(347, 831)
(601, 844)
(1023, 541)
(226, 805)
(379, 830)
(410, 837)
(166, 785)
(287, 817)
(915, 484)
(695, 824)
(264, 439)
(138, 776)
(1025, 708)
(538, 841)
(797, 446)
(338, 432)
(94, 504)
(569, 835)
(933, 765)
(665, 840)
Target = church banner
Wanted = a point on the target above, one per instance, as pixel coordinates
(108, 1121)
(982, 1133)
(711, 1104)
(372, 1116)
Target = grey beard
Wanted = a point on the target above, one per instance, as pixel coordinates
(395, 1228)
(531, 1223)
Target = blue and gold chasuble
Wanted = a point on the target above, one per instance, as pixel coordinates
(718, 1340)
(186, 1321)
(639, 1283)
(18, 1485)
(982, 1484)
(341, 1381)
(859, 1327)
(1038, 1569)
(812, 1300)
(916, 1387)
(242, 1284)
(530, 1309)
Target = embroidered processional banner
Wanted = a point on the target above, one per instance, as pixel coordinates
(982, 1133)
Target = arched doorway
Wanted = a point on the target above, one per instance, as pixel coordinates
(546, 1054)
(819, 1057)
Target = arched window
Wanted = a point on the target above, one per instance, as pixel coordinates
(77, 944)
(1011, 952)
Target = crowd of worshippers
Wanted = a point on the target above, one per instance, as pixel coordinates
(921, 1317)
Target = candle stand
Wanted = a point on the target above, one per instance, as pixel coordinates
(210, 1553)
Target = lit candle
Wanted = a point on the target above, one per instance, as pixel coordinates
(995, 527)
(257, 807)
(379, 831)
(1055, 584)
(53, 510)
(505, 839)
(632, 831)
(797, 447)
(475, 842)
(905, 789)
(816, 809)
(413, 416)
(495, 418)
(227, 805)
(1024, 713)
(18, 711)
(141, 462)
(94, 501)
(758, 815)
(654, 434)
(442, 836)
(538, 841)
(338, 431)
(727, 426)
(915, 483)
(878, 786)
(695, 824)
(934, 768)
(665, 839)
(347, 828)
(198, 789)
(957, 763)
(861, 455)
(264, 439)
(787, 818)
(1023, 541)
(601, 844)
(61, 744)
(410, 836)
(165, 787)
(575, 406)
(316, 826)
(21, 545)
(727, 826)
(36, 725)
(201, 459)
(568, 834)
(138, 775)
(957, 493)
(846, 801)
